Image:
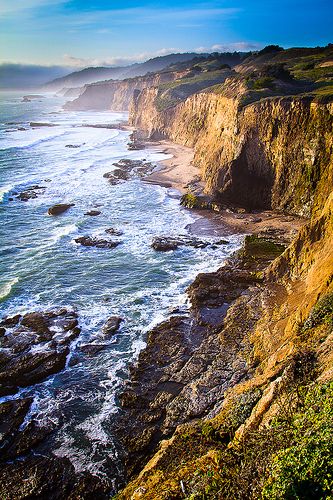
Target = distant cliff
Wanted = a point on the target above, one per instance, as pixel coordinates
(115, 95)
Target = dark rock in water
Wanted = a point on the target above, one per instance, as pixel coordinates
(27, 439)
(34, 347)
(135, 146)
(93, 212)
(127, 169)
(12, 414)
(42, 124)
(30, 193)
(166, 243)
(41, 477)
(92, 349)
(12, 321)
(36, 321)
(60, 208)
(26, 99)
(73, 146)
(88, 241)
(2, 331)
(114, 232)
(111, 326)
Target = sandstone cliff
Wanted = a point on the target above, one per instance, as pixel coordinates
(236, 400)
(116, 95)
(276, 152)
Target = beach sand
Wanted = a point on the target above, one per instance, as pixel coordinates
(177, 172)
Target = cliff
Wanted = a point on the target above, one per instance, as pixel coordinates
(113, 95)
(273, 153)
(235, 400)
(244, 406)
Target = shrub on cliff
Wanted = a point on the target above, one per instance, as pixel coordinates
(292, 458)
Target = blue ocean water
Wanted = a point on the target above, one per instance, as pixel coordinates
(41, 266)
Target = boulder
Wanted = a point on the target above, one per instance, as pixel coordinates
(88, 241)
(114, 232)
(93, 212)
(111, 326)
(166, 243)
(35, 346)
(59, 208)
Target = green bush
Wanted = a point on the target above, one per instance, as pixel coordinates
(304, 469)
(322, 312)
(292, 458)
(266, 82)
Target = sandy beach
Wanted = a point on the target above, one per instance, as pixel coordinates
(178, 171)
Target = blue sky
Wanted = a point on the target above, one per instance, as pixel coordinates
(80, 32)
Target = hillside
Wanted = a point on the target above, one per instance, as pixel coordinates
(235, 400)
(207, 69)
(95, 74)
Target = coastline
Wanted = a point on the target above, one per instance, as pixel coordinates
(178, 172)
(175, 172)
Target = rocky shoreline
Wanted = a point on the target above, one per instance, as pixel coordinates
(159, 395)
(183, 373)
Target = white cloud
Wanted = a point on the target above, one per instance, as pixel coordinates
(230, 47)
(81, 62)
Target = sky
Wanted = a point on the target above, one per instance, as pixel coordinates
(79, 33)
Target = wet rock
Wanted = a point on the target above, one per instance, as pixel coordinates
(135, 146)
(30, 193)
(114, 232)
(111, 326)
(41, 124)
(92, 349)
(12, 414)
(127, 169)
(41, 477)
(36, 321)
(167, 243)
(11, 321)
(88, 241)
(72, 146)
(93, 212)
(59, 208)
(35, 347)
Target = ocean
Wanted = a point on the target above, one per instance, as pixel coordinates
(43, 268)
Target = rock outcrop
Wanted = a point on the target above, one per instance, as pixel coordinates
(34, 347)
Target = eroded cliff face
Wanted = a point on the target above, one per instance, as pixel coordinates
(275, 338)
(274, 153)
(204, 394)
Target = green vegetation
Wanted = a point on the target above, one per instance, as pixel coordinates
(260, 248)
(172, 93)
(321, 313)
(265, 82)
(292, 458)
(190, 200)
